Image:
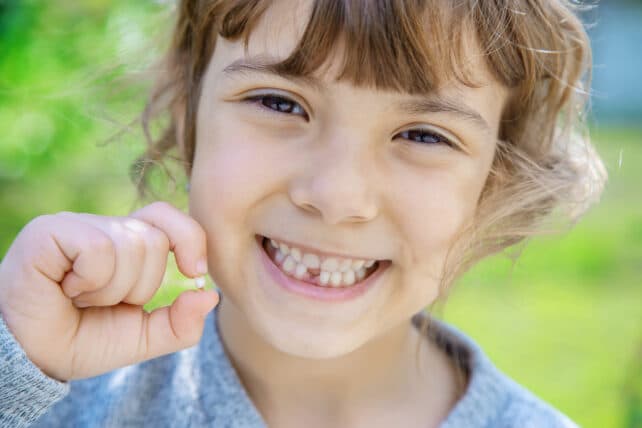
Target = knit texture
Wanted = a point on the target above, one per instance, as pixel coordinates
(198, 387)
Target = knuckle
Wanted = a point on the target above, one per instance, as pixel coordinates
(161, 206)
(113, 299)
(158, 241)
(40, 222)
(146, 296)
(136, 245)
(139, 297)
(106, 300)
(99, 243)
(135, 249)
(112, 294)
(129, 241)
(134, 224)
(196, 231)
(44, 224)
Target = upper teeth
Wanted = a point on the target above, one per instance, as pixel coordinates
(336, 271)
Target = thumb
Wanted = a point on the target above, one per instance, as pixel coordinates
(180, 325)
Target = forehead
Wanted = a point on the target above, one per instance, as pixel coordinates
(412, 49)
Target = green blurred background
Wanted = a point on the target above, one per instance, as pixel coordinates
(565, 321)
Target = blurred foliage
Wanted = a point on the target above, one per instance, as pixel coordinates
(565, 321)
(72, 76)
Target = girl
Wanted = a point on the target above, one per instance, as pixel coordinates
(348, 160)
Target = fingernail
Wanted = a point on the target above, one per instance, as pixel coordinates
(201, 266)
(200, 282)
(81, 304)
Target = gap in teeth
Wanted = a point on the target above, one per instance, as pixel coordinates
(328, 272)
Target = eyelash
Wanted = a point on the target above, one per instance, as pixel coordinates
(417, 135)
(412, 135)
(276, 100)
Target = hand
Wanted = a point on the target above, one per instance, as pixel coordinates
(72, 287)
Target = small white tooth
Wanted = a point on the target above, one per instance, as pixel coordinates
(274, 244)
(330, 264)
(300, 271)
(335, 279)
(369, 263)
(200, 282)
(361, 273)
(296, 254)
(345, 265)
(289, 264)
(324, 278)
(348, 277)
(311, 261)
(358, 264)
(284, 249)
(279, 256)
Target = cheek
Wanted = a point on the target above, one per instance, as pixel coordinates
(226, 181)
(432, 211)
(231, 171)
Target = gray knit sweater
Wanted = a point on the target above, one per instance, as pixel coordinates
(198, 387)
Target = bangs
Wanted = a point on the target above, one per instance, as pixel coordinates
(409, 46)
(536, 48)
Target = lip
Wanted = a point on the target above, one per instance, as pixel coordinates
(307, 249)
(314, 292)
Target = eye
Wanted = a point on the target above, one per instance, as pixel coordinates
(279, 104)
(424, 136)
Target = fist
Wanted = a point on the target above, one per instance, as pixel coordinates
(72, 287)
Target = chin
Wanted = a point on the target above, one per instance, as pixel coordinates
(308, 343)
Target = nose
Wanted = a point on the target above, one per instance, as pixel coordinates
(335, 185)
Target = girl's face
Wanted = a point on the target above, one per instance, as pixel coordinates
(333, 168)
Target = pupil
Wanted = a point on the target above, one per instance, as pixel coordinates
(422, 137)
(278, 104)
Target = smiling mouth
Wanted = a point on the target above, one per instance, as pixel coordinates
(318, 270)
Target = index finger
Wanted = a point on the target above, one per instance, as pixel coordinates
(186, 236)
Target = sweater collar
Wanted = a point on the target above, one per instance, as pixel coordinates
(228, 401)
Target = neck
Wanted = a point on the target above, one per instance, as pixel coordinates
(380, 372)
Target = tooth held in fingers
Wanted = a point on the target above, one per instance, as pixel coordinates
(200, 281)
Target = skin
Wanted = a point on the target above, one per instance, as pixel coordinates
(343, 181)
(83, 279)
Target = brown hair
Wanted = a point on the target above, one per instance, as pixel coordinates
(537, 48)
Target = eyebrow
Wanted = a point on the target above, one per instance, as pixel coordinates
(443, 104)
(267, 65)
(420, 105)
